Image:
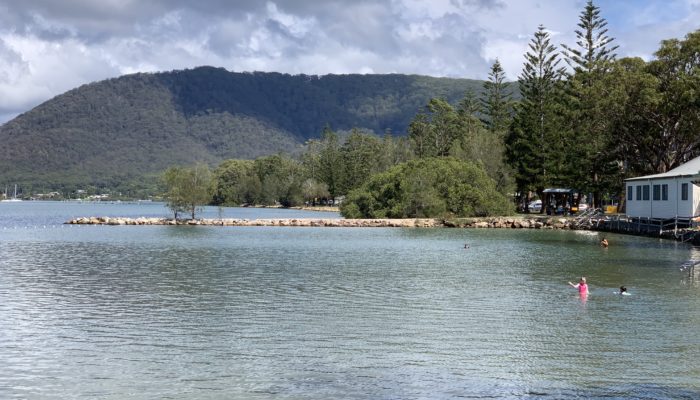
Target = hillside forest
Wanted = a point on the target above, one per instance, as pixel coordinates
(118, 135)
(584, 120)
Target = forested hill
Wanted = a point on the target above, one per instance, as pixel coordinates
(119, 130)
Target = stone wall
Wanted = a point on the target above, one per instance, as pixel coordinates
(501, 222)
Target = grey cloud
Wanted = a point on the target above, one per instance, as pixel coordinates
(489, 4)
(9, 60)
(445, 37)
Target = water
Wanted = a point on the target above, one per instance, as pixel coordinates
(146, 312)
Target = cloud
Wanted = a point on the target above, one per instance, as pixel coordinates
(48, 47)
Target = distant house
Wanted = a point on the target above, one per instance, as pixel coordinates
(672, 194)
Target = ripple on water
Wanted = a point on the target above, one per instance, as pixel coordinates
(342, 313)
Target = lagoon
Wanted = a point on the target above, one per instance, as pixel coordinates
(185, 312)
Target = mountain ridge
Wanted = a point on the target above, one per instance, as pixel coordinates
(126, 128)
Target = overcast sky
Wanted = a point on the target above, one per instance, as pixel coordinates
(50, 46)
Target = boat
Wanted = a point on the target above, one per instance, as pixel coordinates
(13, 198)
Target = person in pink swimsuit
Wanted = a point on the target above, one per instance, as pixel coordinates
(581, 286)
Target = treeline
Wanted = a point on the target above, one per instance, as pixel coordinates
(587, 127)
(606, 119)
(451, 164)
(117, 134)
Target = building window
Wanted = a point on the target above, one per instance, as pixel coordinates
(629, 192)
(639, 192)
(664, 192)
(645, 192)
(657, 192)
(684, 191)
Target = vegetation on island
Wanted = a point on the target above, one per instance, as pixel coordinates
(187, 188)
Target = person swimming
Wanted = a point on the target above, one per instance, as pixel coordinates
(623, 291)
(604, 242)
(582, 286)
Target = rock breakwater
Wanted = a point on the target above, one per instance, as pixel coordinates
(502, 222)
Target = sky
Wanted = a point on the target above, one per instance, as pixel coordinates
(48, 47)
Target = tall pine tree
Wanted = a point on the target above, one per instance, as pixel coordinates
(536, 145)
(588, 116)
(497, 100)
(592, 40)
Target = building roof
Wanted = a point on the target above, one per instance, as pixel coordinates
(691, 168)
(558, 190)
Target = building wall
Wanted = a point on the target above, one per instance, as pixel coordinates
(669, 207)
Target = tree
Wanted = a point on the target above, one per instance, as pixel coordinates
(469, 109)
(434, 131)
(536, 144)
(187, 188)
(593, 53)
(235, 183)
(395, 150)
(314, 190)
(330, 166)
(281, 179)
(361, 157)
(586, 107)
(427, 187)
(497, 103)
(677, 118)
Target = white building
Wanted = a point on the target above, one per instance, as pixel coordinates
(669, 195)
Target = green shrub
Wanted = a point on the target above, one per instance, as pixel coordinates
(430, 188)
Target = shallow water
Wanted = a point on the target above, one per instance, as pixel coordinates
(369, 313)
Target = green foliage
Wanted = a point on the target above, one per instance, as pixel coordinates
(187, 188)
(330, 165)
(361, 157)
(677, 115)
(537, 142)
(434, 132)
(593, 53)
(427, 187)
(442, 130)
(497, 101)
(586, 109)
(281, 179)
(121, 133)
(314, 191)
(236, 182)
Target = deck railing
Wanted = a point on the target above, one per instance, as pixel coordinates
(680, 228)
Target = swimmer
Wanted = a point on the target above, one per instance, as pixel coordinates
(623, 291)
(581, 286)
(604, 242)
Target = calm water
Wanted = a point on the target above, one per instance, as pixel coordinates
(316, 313)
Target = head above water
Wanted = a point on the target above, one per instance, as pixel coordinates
(623, 289)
